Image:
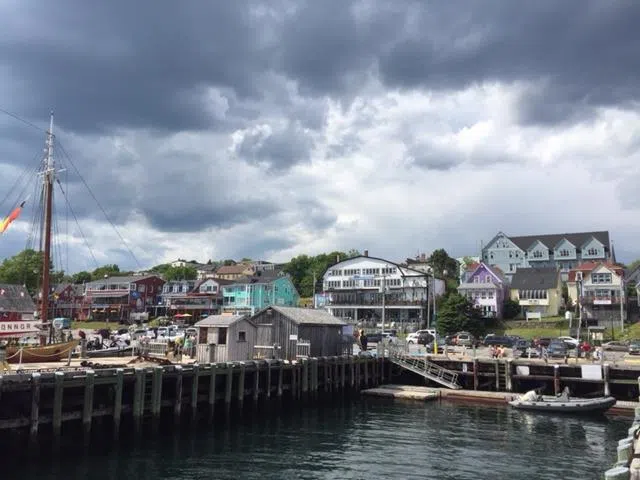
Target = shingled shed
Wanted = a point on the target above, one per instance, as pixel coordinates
(287, 327)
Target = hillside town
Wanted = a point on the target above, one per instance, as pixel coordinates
(542, 275)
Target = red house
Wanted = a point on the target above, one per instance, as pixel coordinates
(16, 311)
(116, 298)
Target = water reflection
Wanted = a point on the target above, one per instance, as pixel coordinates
(369, 439)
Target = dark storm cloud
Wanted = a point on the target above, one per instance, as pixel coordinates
(174, 191)
(279, 148)
(132, 64)
(128, 64)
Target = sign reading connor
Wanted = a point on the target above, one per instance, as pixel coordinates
(7, 328)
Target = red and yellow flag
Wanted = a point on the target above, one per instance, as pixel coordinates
(12, 216)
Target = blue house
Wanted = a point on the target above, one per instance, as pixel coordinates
(251, 294)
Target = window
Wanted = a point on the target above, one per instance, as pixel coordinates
(510, 254)
(490, 294)
(487, 279)
(537, 254)
(593, 252)
(563, 253)
(348, 284)
(141, 288)
(600, 278)
(242, 336)
(483, 294)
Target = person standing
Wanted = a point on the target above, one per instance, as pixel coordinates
(363, 340)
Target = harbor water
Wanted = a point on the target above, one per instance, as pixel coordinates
(367, 438)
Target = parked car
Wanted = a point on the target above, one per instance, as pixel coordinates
(496, 340)
(424, 338)
(543, 341)
(465, 339)
(378, 336)
(441, 344)
(615, 346)
(413, 337)
(557, 349)
(634, 347)
(570, 341)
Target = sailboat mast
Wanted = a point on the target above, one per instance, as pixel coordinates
(48, 178)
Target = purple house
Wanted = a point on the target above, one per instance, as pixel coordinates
(486, 287)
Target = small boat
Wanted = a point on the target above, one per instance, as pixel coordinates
(40, 354)
(562, 403)
(120, 351)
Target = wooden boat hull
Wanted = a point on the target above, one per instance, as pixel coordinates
(573, 405)
(41, 354)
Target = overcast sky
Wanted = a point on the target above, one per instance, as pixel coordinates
(267, 129)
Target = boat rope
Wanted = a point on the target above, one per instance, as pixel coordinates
(84, 238)
(106, 216)
(22, 120)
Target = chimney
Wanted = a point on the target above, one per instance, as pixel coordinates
(366, 253)
(337, 258)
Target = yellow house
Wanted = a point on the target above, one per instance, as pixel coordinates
(538, 291)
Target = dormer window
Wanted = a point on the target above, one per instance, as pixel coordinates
(563, 253)
(592, 251)
(537, 254)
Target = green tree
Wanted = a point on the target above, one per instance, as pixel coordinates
(510, 309)
(353, 253)
(303, 269)
(180, 273)
(106, 270)
(23, 269)
(228, 262)
(161, 269)
(457, 313)
(81, 277)
(441, 262)
(633, 265)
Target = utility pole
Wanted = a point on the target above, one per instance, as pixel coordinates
(579, 288)
(428, 312)
(384, 294)
(314, 290)
(621, 305)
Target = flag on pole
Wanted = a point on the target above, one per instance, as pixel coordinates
(12, 216)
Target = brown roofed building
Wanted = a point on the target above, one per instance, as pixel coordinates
(234, 272)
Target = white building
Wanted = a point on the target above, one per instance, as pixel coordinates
(353, 290)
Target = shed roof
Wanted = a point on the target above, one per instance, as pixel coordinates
(220, 320)
(535, 279)
(307, 316)
(15, 298)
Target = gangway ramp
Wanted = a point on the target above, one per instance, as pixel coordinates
(424, 368)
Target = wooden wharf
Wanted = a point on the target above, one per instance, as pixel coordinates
(33, 399)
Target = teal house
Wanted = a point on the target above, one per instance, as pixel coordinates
(251, 294)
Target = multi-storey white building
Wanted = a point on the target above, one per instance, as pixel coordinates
(356, 288)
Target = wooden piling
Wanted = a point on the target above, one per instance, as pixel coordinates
(87, 410)
(605, 376)
(177, 406)
(475, 374)
(241, 380)
(336, 373)
(212, 388)
(228, 387)
(35, 403)
(358, 368)
(58, 394)
(256, 383)
(138, 392)
(556, 379)
(305, 376)
(314, 377)
(294, 386)
(343, 372)
(508, 375)
(496, 367)
(280, 378)
(156, 391)
(194, 389)
(117, 401)
(352, 373)
(366, 373)
(268, 379)
(325, 374)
